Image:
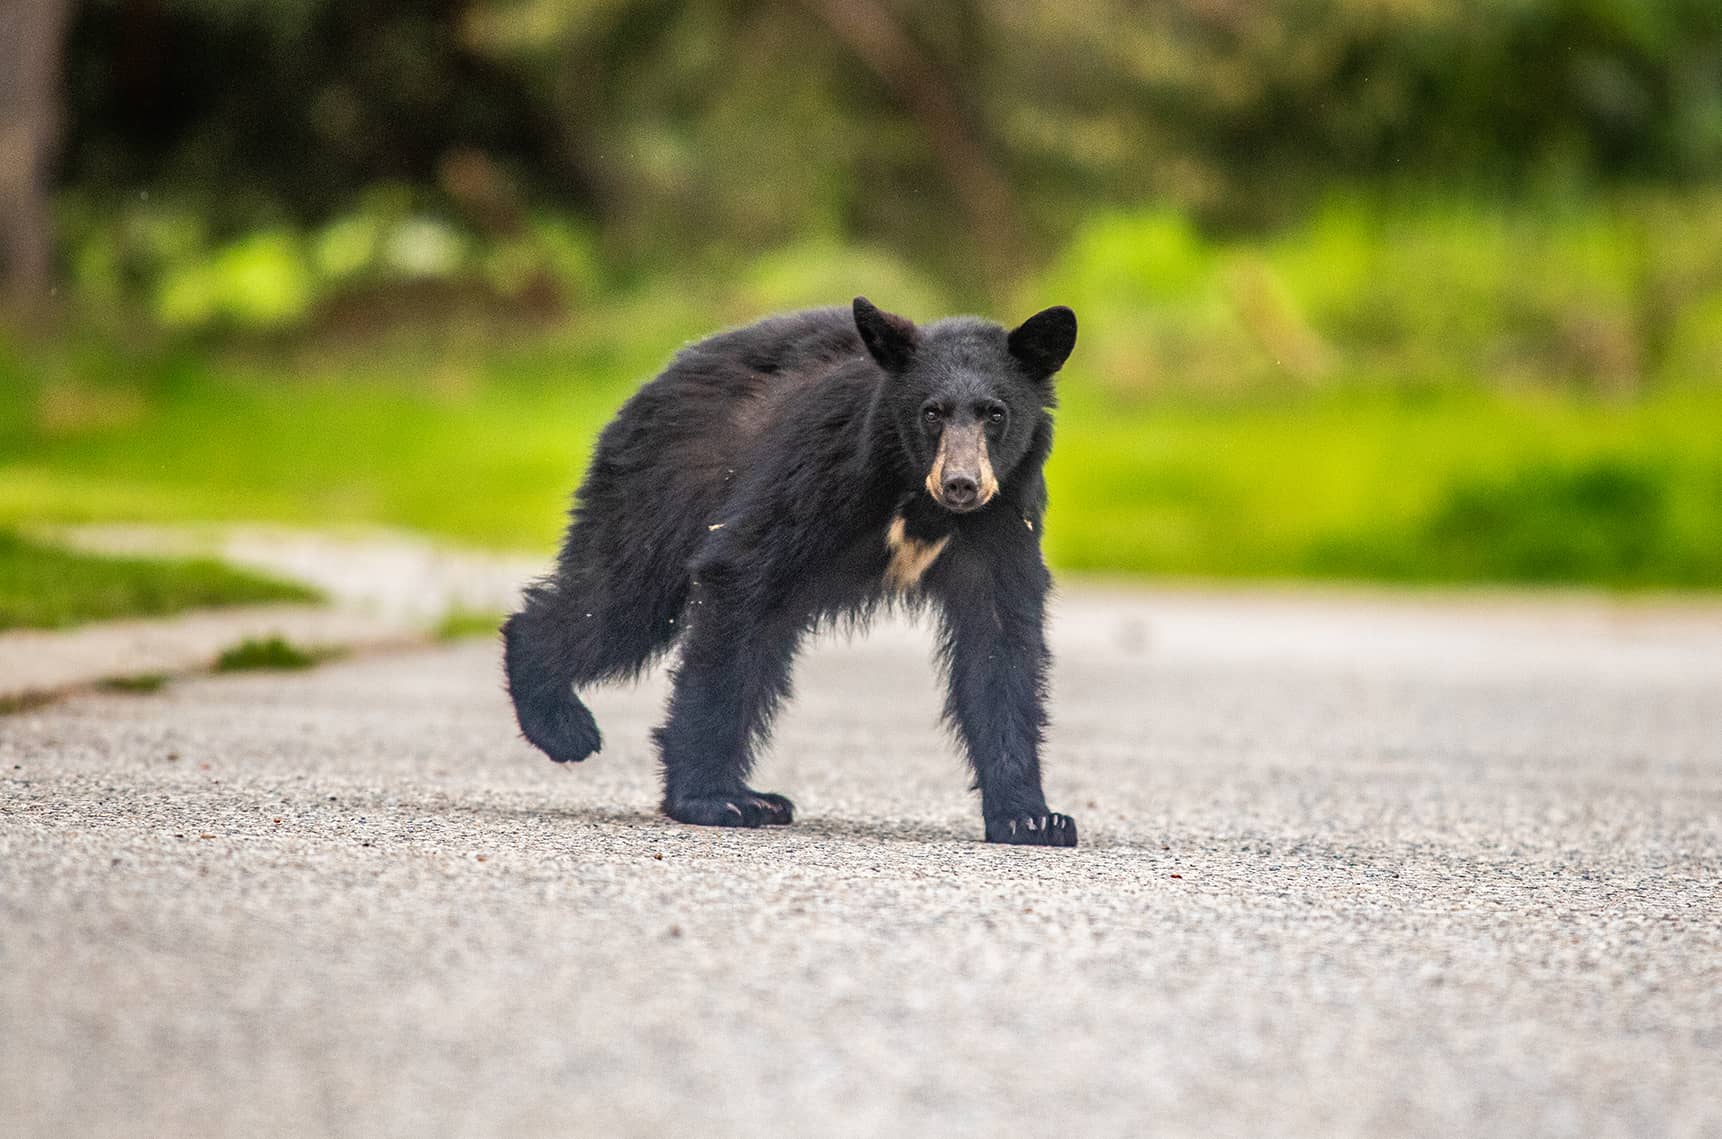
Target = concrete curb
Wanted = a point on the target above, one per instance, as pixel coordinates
(36, 666)
(386, 590)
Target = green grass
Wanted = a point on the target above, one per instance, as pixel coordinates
(1447, 487)
(256, 654)
(487, 459)
(44, 587)
(1474, 393)
(1444, 485)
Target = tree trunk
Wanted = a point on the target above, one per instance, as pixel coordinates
(870, 30)
(30, 46)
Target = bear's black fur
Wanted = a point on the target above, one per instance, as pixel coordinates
(806, 469)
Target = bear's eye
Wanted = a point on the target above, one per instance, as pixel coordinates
(932, 414)
(996, 415)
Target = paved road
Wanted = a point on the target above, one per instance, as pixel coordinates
(1351, 866)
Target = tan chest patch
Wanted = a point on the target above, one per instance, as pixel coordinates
(909, 557)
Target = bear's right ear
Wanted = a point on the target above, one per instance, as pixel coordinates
(890, 339)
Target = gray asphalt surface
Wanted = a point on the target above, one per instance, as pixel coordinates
(1350, 866)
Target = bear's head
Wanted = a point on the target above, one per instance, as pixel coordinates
(968, 399)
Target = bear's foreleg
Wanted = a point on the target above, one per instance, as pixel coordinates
(572, 630)
(734, 672)
(545, 648)
(993, 645)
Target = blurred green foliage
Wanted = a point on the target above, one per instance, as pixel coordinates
(1419, 290)
(969, 137)
(1608, 296)
(384, 261)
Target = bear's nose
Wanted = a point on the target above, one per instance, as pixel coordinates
(960, 490)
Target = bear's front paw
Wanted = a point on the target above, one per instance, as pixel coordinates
(745, 808)
(564, 729)
(1050, 829)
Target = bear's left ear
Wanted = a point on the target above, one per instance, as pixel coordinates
(890, 339)
(1044, 340)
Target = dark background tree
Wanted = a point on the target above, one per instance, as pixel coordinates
(968, 135)
(30, 49)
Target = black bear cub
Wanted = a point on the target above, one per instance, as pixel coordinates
(805, 469)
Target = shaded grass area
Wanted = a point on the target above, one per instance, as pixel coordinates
(1350, 480)
(44, 587)
(139, 684)
(24, 702)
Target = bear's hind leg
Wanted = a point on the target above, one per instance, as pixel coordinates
(732, 676)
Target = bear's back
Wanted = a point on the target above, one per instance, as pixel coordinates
(696, 429)
(797, 345)
(735, 384)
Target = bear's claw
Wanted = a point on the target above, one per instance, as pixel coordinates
(739, 809)
(1050, 829)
